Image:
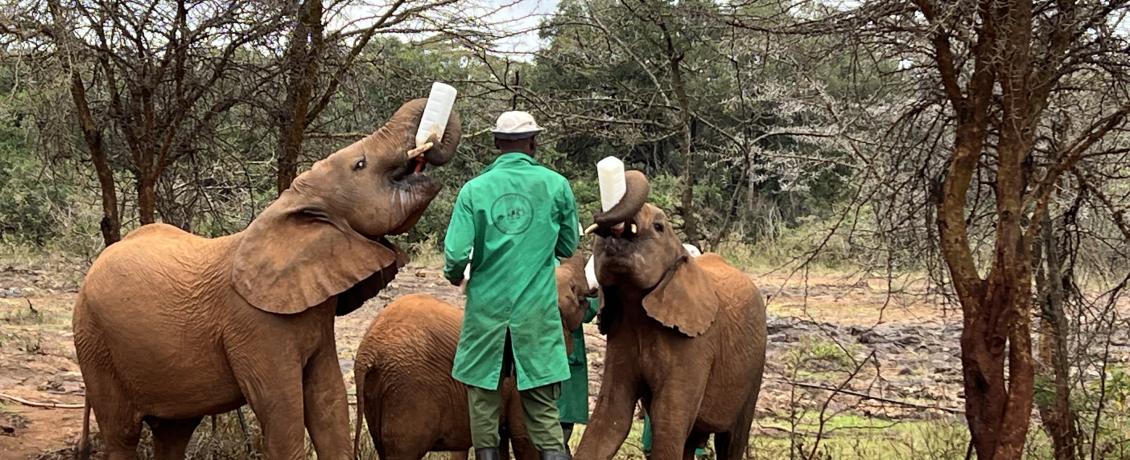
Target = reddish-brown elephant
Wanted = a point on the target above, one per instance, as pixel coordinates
(685, 334)
(170, 327)
(403, 375)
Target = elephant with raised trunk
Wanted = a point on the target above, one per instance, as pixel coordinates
(685, 334)
(170, 327)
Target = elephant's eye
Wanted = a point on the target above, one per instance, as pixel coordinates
(359, 165)
(658, 227)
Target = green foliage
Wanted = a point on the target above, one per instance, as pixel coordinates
(594, 98)
(855, 436)
(824, 353)
(28, 200)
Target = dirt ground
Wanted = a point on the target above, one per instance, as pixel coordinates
(820, 330)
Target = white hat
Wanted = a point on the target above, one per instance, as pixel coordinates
(515, 125)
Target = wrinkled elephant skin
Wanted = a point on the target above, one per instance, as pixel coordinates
(686, 335)
(170, 327)
(405, 391)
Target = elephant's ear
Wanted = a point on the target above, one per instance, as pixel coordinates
(292, 259)
(684, 299)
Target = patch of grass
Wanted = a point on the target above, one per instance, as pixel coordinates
(790, 247)
(817, 353)
(845, 436)
(632, 447)
(857, 436)
(23, 315)
(64, 268)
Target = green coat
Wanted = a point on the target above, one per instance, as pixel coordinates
(573, 403)
(517, 215)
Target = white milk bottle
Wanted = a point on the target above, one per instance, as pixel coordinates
(436, 112)
(610, 175)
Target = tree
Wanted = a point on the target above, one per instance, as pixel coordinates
(995, 80)
(713, 111)
(147, 79)
(316, 62)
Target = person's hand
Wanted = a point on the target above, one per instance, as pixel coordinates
(456, 281)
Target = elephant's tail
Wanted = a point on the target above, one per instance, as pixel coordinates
(360, 371)
(82, 450)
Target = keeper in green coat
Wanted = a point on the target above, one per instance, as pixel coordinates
(516, 216)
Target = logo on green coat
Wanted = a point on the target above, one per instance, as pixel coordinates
(512, 213)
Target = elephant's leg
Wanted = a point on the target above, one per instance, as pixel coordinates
(118, 421)
(458, 455)
(612, 417)
(694, 442)
(670, 440)
(326, 409)
(170, 437)
(273, 388)
(524, 449)
(673, 411)
(732, 445)
(722, 445)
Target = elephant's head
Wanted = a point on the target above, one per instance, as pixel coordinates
(644, 259)
(572, 295)
(326, 233)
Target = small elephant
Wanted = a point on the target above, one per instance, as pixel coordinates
(685, 334)
(170, 327)
(405, 390)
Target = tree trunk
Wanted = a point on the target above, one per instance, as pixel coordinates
(111, 223)
(147, 199)
(1056, 413)
(995, 310)
(686, 205)
(290, 147)
(690, 221)
(301, 59)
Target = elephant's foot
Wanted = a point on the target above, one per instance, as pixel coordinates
(170, 437)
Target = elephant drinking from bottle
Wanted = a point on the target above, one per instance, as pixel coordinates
(170, 327)
(686, 335)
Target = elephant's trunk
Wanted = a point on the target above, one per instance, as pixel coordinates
(401, 131)
(635, 195)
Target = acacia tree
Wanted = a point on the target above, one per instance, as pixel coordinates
(147, 79)
(986, 131)
(316, 60)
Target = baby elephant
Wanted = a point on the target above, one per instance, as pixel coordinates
(686, 335)
(403, 375)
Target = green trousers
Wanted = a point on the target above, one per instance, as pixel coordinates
(539, 409)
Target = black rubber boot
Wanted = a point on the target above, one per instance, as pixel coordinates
(487, 454)
(555, 455)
